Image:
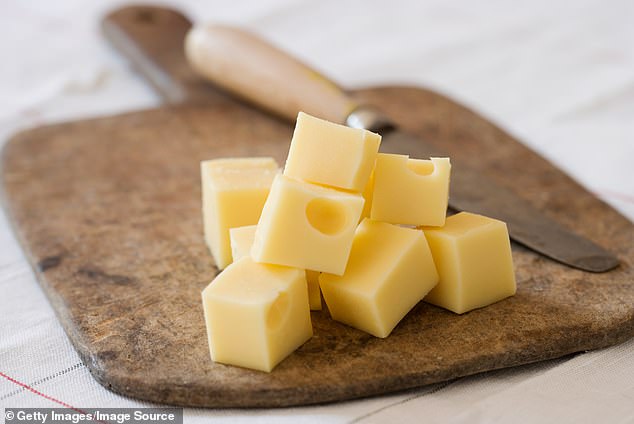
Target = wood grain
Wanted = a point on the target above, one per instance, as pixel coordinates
(108, 212)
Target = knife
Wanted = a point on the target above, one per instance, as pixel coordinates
(249, 67)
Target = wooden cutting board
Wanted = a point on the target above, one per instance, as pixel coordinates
(108, 212)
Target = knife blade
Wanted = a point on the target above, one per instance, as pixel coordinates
(249, 67)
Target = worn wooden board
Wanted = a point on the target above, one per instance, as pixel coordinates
(108, 212)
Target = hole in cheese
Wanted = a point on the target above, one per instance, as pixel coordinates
(420, 167)
(326, 216)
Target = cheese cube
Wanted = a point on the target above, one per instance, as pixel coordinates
(314, 292)
(473, 257)
(410, 191)
(306, 226)
(256, 314)
(326, 153)
(233, 192)
(390, 270)
(241, 243)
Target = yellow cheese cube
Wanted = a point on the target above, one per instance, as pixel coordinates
(326, 153)
(410, 191)
(473, 257)
(256, 314)
(241, 243)
(306, 226)
(390, 270)
(234, 192)
(314, 292)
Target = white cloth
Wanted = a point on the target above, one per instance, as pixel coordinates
(559, 75)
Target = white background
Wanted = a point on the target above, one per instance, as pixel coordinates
(559, 75)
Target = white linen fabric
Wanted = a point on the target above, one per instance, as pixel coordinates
(559, 75)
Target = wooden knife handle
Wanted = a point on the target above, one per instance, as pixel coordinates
(248, 66)
(152, 39)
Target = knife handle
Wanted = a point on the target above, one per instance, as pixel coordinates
(255, 70)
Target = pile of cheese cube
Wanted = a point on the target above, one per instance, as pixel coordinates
(366, 230)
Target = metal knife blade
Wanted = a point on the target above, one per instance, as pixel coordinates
(473, 192)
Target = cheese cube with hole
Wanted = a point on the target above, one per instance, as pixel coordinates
(390, 270)
(410, 191)
(473, 257)
(233, 192)
(241, 243)
(326, 153)
(256, 314)
(314, 292)
(306, 226)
